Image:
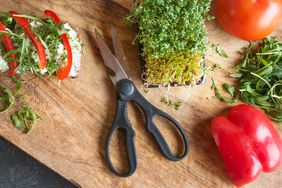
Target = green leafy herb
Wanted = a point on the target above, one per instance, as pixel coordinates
(231, 90)
(18, 88)
(261, 77)
(173, 38)
(215, 67)
(25, 119)
(6, 99)
(17, 123)
(219, 94)
(236, 75)
(220, 51)
(166, 101)
(177, 105)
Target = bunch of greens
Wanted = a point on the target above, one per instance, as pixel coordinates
(173, 38)
(261, 77)
(49, 35)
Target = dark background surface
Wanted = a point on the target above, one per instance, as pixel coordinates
(19, 170)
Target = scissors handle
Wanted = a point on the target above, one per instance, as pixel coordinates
(127, 92)
(151, 112)
(121, 122)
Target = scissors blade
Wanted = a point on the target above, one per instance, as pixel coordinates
(110, 60)
(119, 51)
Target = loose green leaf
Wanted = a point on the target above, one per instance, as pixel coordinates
(18, 87)
(220, 51)
(166, 101)
(177, 105)
(219, 94)
(16, 122)
(25, 119)
(231, 90)
(236, 75)
(215, 67)
(7, 99)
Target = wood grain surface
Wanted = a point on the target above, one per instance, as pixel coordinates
(77, 115)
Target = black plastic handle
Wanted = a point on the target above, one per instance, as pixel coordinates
(127, 91)
(152, 128)
(121, 122)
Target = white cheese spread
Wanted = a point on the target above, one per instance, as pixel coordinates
(3, 64)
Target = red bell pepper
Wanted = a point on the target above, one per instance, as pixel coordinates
(63, 72)
(9, 47)
(247, 142)
(23, 22)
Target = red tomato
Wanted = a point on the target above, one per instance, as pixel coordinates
(249, 19)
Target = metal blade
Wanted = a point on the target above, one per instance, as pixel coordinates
(110, 60)
(119, 51)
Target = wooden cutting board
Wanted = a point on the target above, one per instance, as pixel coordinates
(77, 115)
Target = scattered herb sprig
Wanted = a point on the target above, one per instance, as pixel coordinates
(230, 89)
(219, 95)
(214, 68)
(220, 51)
(168, 102)
(7, 97)
(25, 118)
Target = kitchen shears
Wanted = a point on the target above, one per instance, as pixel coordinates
(126, 92)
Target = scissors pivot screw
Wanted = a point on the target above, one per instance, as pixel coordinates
(125, 89)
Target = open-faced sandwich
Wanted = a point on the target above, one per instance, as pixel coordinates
(173, 39)
(38, 45)
(33, 45)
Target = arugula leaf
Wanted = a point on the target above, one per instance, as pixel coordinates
(220, 51)
(25, 119)
(236, 75)
(219, 94)
(215, 67)
(16, 122)
(18, 88)
(231, 90)
(7, 99)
